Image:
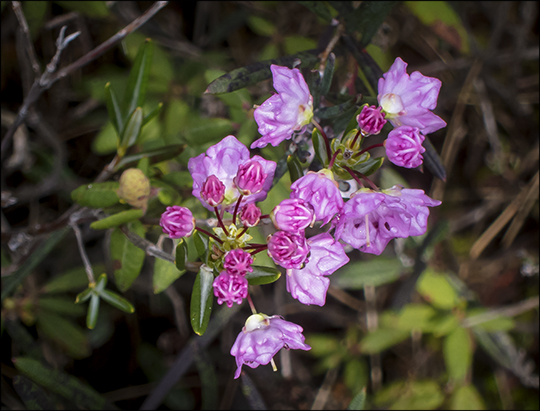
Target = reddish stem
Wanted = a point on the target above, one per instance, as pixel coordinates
(208, 234)
(236, 208)
(368, 148)
(220, 221)
(242, 232)
(356, 137)
(251, 305)
(334, 156)
(326, 141)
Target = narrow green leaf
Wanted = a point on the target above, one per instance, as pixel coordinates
(96, 195)
(359, 401)
(150, 116)
(93, 311)
(113, 108)
(62, 384)
(64, 333)
(201, 244)
(117, 219)
(328, 74)
(71, 280)
(22, 339)
(262, 275)
(34, 397)
(101, 283)
(319, 146)
(369, 166)
(181, 255)
(60, 305)
(295, 168)
(374, 272)
(467, 397)
(254, 73)
(132, 130)
(432, 160)
(205, 130)
(381, 339)
(83, 296)
(165, 273)
(209, 382)
(156, 155)
(127, 258)
(117, 301)
(334, 111)
(32, 262)
(138, 79)
(457, 352)
(201, 300)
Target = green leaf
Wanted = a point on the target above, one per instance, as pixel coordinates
(88, 8)
(165, 273)
(261, 26)
(457, 352)
(369, 166)
(262, 275)
(355, 375)
(205, 130)
(132, 131)
(127, 258)
(71, 280)
(11, 283)
(334, 111)
(415, 317)
(60, 305)
(496, 324)
(254, 73)
(319, 146)
(113, 108)
(181, 255)
(373, 272)
(381, 339)
(93, 311)
(138, 80)
(436, 290)
(295, 168)
(294, 44)
(467, 397)
(62, 384)
(117, 301)
(201, 300)
(201, 242)
(35, 13)
(34, 397)
(150, 116)
(84, 296)
(359, 401)
(155, 155)
(320, 8)
(323, 345)
(419, 395)
(64, 333)
(96, 195)
(442, 324)
(117, 219)
(432, 160)
(328, 74)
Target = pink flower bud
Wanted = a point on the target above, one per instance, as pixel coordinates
(371, 120)
(177, 222)
(293, 215)
(404, 147)
(238, 262)
(250, 177)
(250, 215)
(288, 250)
(230, 288)
(213, 191)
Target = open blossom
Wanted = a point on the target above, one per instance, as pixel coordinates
(262, 337)
(309, 285)
(293, 215)
(223, 161)
(321, 191)
(369, 220)
(230, 288)
(238, 262)
(408, 100)
(404, 146)
(286, 112)
(177, 222)
(288, 250)
(371, 119)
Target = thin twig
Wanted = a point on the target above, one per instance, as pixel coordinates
(326, 388)
(509, 311)
(26, 34)
(82, 251)
(372, 321)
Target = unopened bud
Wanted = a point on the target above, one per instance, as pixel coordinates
(134, 188)
(213, 191)
(250, 177)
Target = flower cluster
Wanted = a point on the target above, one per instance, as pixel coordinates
(227, 180)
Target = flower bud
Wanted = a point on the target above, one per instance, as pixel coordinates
(293, 215)
(250, 215)
(288, 250)
(404, 146)
(238, 262)
(250, 177)
(213, 191)
(134, 188)
(177, 222)
(371, 120)
(230, 288)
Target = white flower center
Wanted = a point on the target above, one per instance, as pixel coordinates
(255, 321)
(391, 104)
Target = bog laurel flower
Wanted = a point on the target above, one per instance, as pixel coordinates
(371, 119)
(230, 288)
(250, 215)
(262, 337)
(321, 191)
(177, 222)
(404, 146)
(250, 178)
(213, 191)
(293, 215)
(407, 100)
(238, 262)
(223, 161)
(286, 112)
(369, 220)
(310, 284)
(288, 250)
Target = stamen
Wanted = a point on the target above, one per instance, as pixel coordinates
(274, 367)
(368, 243)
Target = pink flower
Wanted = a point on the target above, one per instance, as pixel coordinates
(213, 191)
(286, 112)
(250, 178)
(262, 337)
(407, 100)
(177, 222)
(321, 191)
(238, 262)
(371, 120)
(250, 215)
(288, 250)
(309, 285)
(404, 146)
(293, 215)
(223, 160)
(229, 288)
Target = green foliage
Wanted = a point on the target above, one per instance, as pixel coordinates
(375, 272)
(34, 397)
(127, 258)
(466, 397)
(165, 273)
(201, 300)
(458, 351)
(117, 219)
(262, 275)
(436, 289)
(96, 195)
(410, 395)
